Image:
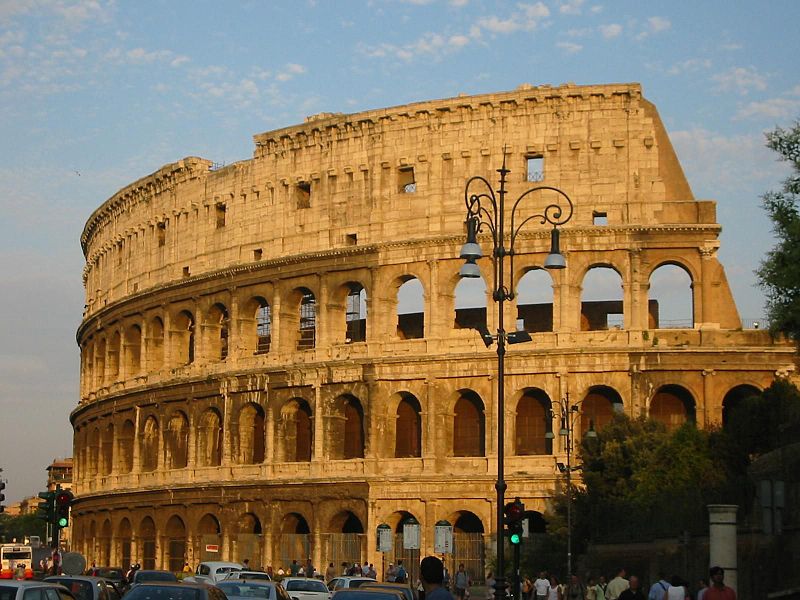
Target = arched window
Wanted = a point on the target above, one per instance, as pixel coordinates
(468, 426)
(218, 324)
(598, 407)
(532, 423)
(113, 356)
(209, 439)
(356, 314)
(176, 543)
(107, 450)
(307, 338)
(251, 434)
(670, 303)
(149, 444)
(470, 304)
(124, 536)
(133, 350)
(94, 452)
(734, 398)
(673, 405)
(353, 429)
(155, 345)
(601, 300)
(184, 333)
(177, 441)
(296, 439)
(125, 447)
(411, 310)
(535, 301)
(100, 362)
(408, 428)
(147, 543)
(263, 326)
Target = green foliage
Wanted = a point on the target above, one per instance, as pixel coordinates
(20, 527)
(779, 273)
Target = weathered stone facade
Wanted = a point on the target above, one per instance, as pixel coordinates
(248, 383)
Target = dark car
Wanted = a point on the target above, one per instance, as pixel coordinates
(115, 574)
(404, 588)
(146, 576)
(361, 593)
(174, 591)
(84, 587)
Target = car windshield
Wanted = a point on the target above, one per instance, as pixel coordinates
(154, 576)
(82, 590)
(163, 592)
(305, 585)
(359, 582)
(244, 590)
(7, 592)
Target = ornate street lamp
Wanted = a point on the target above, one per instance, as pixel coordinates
(487, 211)
(568, 415)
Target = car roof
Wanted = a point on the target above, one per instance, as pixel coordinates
(221, 563)
(388, 584)
(356, 578)
(89, 578)
(191, 584)
(27, 583)
(370, 593)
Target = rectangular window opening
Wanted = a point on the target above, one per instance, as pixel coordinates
(599, 218)
(186, 272)
(257, 253)
(303, 194)
(352, 239)
(407, 182)
(220, 213)
(535, 167)
(161, 232)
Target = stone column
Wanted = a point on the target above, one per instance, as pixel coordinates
(137, 431)
(706, 294)
(275, 318)
(710, 414)
(722, 540)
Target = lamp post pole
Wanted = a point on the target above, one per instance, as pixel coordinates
(486, 211)
(569, 414)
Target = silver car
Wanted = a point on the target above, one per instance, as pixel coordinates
(33, 590)
(302, 588)
(248, 590)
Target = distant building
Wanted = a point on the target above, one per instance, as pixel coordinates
(59, 473)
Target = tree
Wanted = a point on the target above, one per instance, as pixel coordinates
(779, 274)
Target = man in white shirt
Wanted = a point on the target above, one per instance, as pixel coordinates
(617, 585)
(542, 586)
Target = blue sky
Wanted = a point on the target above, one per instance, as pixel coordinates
(96, 94)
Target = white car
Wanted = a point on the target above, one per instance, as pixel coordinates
(249, 575)
(213, 571)
(302, 588)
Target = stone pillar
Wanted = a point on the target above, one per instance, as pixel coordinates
(269, 426)
(722, 540)
(706, 294)
(710, 414)
(137, 466)
(275, 317)
(227, 433)
(325, 314)
(191, 451)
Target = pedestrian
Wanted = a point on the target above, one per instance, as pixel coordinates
(659, 588)
(677, 589)
(601, 581)
(281, 572)
(371, 572)
(401, 575)
(446, 579)
(421, 589)
(593, 590)
(431, 575)
(527, 587)
(490, 581)
(634, 591)
(461, 582)
(391, 573)
(702, 586)
(309, 567)
(187, 570)
(617, 585)
(330, 572)
(541, 586)
(554, 592)
(575, 589)
(294, 568)
(718, 590)
(19, 571)
(246, 564)
(270, 572)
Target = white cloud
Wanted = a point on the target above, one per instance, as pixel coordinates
(459, 3)
(611, 30)
(570, 47)
(179, 60)
(526, 18)
(430, 44)
(689, 65)
(773, 108)
(571, 7)
(654, 25)
(741, 80)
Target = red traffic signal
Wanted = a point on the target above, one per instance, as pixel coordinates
(63, 502)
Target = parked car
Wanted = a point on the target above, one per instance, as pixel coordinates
(86, 587)
(146, 576)
(115, 574)
(250, 575)
(405, 588)
(213, 571)
(347, 581)
(367, 594)
(262, 590)
(174, 591)
(303, 588)
(11, 589)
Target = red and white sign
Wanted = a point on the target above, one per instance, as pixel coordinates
(212, 548)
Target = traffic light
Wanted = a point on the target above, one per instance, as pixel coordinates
(2, 496)
(46, 509)
(514, 513)
(63, 501)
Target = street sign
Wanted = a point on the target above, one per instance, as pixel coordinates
(385, 538)
(443, 538)
(526, 531)
(411, 535)
(212, 548)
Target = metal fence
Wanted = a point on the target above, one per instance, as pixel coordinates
(293, 546)
(468, 548)
(247, 545)
(343, 547)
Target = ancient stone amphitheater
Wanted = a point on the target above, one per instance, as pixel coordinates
(278, 355)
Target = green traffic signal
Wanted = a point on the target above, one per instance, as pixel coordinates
(63, 521)
(515, 538)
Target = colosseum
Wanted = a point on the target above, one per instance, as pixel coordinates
(278, 355)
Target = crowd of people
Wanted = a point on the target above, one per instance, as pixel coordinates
(621, 587)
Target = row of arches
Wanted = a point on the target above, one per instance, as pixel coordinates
(254, 433)
(250, 325)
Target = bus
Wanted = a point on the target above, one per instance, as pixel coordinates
(13, 555)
